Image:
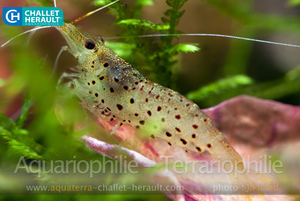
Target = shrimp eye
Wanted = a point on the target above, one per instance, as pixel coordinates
(100, 38)
(89, 44)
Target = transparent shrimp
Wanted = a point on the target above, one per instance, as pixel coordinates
(112, 89)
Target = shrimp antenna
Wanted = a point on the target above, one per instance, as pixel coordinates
(28, 31)
(31, 30)
(92, 12)
(209, 35)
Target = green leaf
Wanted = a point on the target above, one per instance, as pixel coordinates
(119, 45)
(184, 47)
(16, 138)
(171, 3)
(100, 2)
(25, 110)
(221, 85)
(179, 14)
(43, 3)
(294, 2)
(144, 2)
(293, 74)
(1, 82)
(144, 24)
(165, 20)
(168, 13)
(6, 123)
(18, 147)
(124, 50)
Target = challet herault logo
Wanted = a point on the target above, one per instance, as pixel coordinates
(33, 16)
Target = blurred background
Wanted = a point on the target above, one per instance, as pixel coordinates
(223, 68)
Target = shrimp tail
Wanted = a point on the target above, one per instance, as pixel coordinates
(232, 164)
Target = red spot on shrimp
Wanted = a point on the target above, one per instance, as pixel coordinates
(168, 134)
(177, 129)
(119, 106)
(183, 141)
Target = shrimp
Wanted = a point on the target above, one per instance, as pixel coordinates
(112, 89)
